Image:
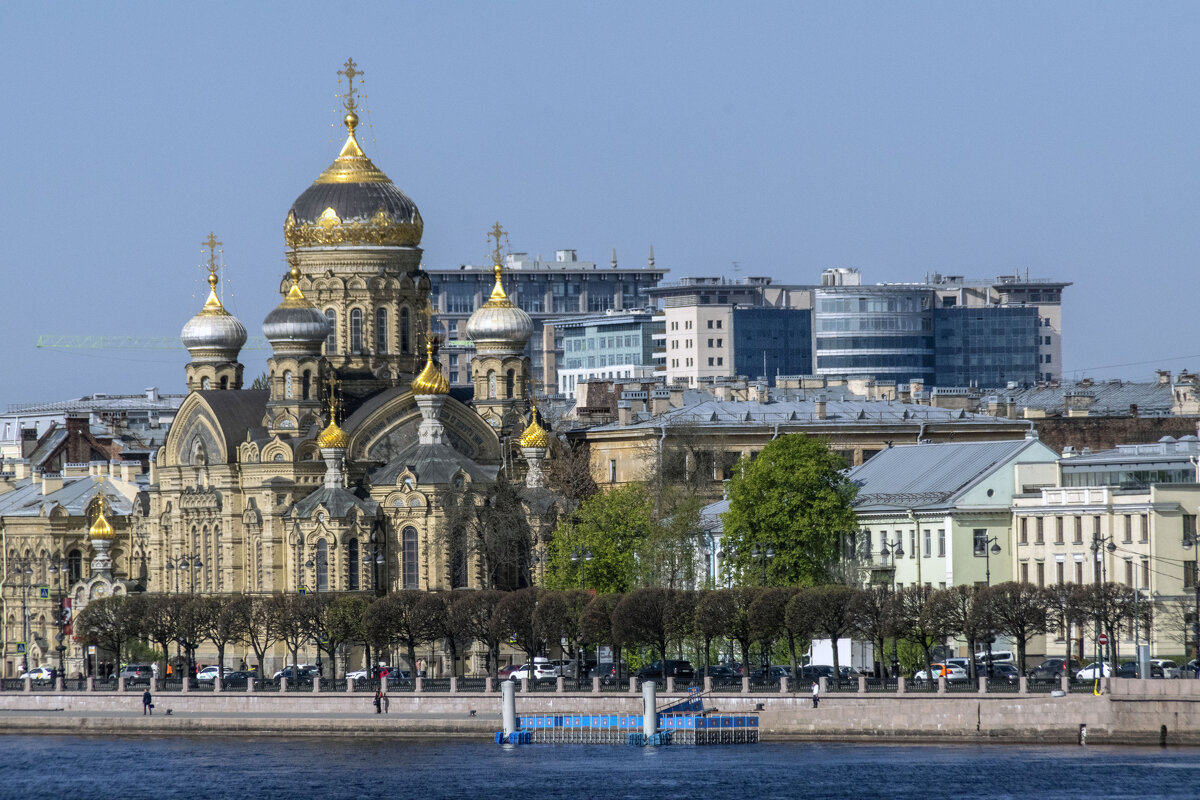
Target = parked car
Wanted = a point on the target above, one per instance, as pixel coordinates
(1005, 673)
(811, 672)
(1129, 669)
(564, 667)
(39, 675)
(303, 676)
(1093, 671)
(283, 673)
(606, 671)
(136, 673)
(1191, 670)
(207, 675)
(721, 674)
(540, 670)
(962, 663)
(237, 678)
(1052, 669)
(358, 675)
(998, 657)
(661, 670)
(1169, 668)
(942, 670)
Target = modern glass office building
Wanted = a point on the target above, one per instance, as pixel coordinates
(885, 331)
(772, 341)
(986, 346)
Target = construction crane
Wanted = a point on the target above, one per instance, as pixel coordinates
(130, 343)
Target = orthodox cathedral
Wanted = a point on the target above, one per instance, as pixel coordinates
(339, 473)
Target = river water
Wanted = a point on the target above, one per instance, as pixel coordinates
(266, 768)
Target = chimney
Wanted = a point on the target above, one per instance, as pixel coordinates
(127, 471)
(1010, 408)
(37, 476)
(660, 401)
(29, 440)
(676, 396)
(78, 450)
(624, 413)
(51, 482)
(819, 407)
(153, 468)
(152, 394)
(21, 469)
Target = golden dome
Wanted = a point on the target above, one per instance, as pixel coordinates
(535, 435)
(100, 528)
(333, 437)
(431, 380)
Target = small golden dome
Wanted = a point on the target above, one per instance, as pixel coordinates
(333, 437)
(431, 380)
(535, 435)
(100, 528)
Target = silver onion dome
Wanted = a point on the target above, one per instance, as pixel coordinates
(296, 324)
(214, 334)
(499, 324)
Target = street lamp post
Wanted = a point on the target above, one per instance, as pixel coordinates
(190, 562)
(991, 546)
(1098, 542)
(581, 556)
(896, 551)
(58, 566)
(23, 572)
(766, 555)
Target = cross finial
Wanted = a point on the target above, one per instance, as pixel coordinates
(349, 72)
(212, 244)
(497, 233)
(333, 383)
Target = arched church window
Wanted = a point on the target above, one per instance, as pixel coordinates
(205, 384)
(331, 340)
(356, 330)
(305, 384)
(287, 384)
(408, 552)
(491, 384)
(74, 566)
(322, 565)
(224, 381)
(352, 562)
(509, 381)
(381, 331)
(404, 334)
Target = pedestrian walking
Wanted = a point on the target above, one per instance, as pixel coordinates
(147, 705)
(378, 702)
(154, 672)
(816, 690)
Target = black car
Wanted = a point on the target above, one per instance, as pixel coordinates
(1005, 673)
(721, 674)
(1129, 669)
(657, 670)
(606, 671)
(306, 675)
(237, 678)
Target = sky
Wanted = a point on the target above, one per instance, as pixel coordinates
(973, 139)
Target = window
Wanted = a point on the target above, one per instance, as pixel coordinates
(710, 342)
(719, 323)
(720, 342)
(1041, 574)
(322, 565)
(491, 380)
(352, 564)
(928, 543)
(331, 340)
(1096, 525)
(1145, 573)
(941, 542)
(74, 566)
(1189, 527)
(720, 361)
(509, 383)
(305, 384)
(1041, 538)
(405, 343)
(287, 384)
(711, 361)
(1078, 530)
(1060, 573)
(1128, 528)
(356, 344)
(912, 544)
(1143, 528)
(979, 538)
(408, 555)
(381, 332)
(1058, 530)
(1189, 574)
(1128, 572)
(1024, 572)
(1078, 572)
(612, 470)
(710, 324)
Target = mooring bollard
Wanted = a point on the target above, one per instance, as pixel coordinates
(508, 702)
(649, 709)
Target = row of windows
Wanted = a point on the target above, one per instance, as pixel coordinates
(1075, 525)
(356, 331)
(916, 361)
(874, 342)
(872, 305)
(838, 324)
(581, 344)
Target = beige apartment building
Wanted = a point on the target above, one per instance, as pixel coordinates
(1138, 530)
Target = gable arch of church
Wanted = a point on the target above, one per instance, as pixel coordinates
(308, 450)
(277, 450)
(357, 284)
(195, 430)
(248, 453)
(393, 426)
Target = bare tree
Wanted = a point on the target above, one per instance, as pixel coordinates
(475, 614)
(261, 627)
(393, 621)
(346, 624)
(224, 621)
(964, 616)
(714, 618)
(569, 473)
(291, 616)
(108, 623)
(874, 616)
(514, 619)
(595, 626)
(919, 621)
(830, 614)
(1019, 610)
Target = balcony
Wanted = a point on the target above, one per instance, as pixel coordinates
(1077, 496)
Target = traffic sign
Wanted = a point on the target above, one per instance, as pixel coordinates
(20, 648)
(1102, 640)
(43, 592)
(303, 590)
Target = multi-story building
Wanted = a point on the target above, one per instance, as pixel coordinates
(611, 345)
(1125, 516)
(545, 290)
(944, 331)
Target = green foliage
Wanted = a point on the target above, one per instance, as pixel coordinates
(668, 556)
(793, 498)
(612, 526)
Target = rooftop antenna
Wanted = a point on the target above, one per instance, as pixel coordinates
(650, 264)
(614, 258)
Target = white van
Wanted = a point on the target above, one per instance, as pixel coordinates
(998, 657)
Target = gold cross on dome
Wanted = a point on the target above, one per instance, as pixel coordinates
(350, 73)
(333, 383)
(212, 244)
(497, 233)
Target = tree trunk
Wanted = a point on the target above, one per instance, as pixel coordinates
(974, 676)
(792, 652)
(221, 660)
(412, 658)
(837, 670)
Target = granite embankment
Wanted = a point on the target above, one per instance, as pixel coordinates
(1134, 712)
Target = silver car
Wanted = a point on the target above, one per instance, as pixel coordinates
(1169, 668)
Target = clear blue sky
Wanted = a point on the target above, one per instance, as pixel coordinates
(899, 138)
